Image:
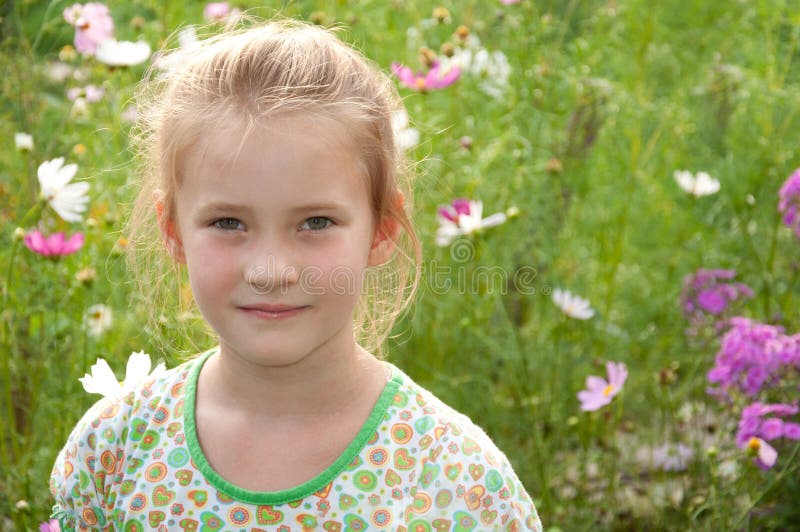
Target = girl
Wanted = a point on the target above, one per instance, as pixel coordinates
(277, 184)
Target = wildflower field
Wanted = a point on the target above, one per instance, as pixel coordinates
(608, 197)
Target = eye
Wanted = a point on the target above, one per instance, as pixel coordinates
(228, 224)
(316, 223)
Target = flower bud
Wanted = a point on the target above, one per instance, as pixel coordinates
(441, 14)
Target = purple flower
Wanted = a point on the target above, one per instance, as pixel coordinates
(50, 526)
(753, 355)
(754, 424)
(436, 78)
(789, 202)
(599, 392)
(709, 292)
(55, 245)
(766, 455)
(93, 25)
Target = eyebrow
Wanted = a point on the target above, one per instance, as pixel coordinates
(223, 206)
(316, 206)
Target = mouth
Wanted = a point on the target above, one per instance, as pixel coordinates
(272, 312)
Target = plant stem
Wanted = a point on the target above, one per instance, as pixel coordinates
(773, 482)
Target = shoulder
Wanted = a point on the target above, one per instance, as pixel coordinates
(463, 476)
(451, 426)
(154, 401)
(96, 453)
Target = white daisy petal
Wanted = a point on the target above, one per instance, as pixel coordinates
(698, 185)
(495, 219)
(101, 380)
(572, 305)
(23, 141)
(69, 200)
(122, 53)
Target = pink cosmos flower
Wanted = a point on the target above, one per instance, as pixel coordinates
(50, 526)
(216, 10)
(93, 25)
(91, 93)
(55, 245)
(599, 392)
(436, 78)
(766, 455)
(464, 217)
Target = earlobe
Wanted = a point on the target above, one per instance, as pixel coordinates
(384, 241)
(169, 233)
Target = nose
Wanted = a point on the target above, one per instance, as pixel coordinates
(270, 269)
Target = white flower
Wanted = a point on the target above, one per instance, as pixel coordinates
(572, 305)
(23, 141)
(103, 381)
(98, 319)
(59, 71)
(463, 217)
(668, 457)
(491, 67)
(68, 200)
(700, 184)
(405, 137)
(122, 53)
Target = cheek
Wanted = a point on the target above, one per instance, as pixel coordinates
(337, 272)
(210, 272)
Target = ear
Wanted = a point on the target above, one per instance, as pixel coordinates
(169, 233)
(384, 240)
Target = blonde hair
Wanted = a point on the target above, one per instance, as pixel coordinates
(251, 75)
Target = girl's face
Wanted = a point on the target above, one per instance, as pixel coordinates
(276, 231)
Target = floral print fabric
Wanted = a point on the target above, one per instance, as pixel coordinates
(134, 464)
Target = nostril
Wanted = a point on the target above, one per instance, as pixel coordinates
(260, 279)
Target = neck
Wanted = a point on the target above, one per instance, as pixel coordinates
(324, 382)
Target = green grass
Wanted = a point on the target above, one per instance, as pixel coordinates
(622, 93)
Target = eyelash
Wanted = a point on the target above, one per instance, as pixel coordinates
(219, 223)
(327, 225)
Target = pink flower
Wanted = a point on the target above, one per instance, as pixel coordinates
(216, 10)
(55, 245)
(599, 392)
(436, 78)
(50, 526)
(766, 455)
(464, 217)
(789, 202)
(93, 25)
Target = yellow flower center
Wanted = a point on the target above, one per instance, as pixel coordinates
(608, 390)
(420, 83)
(754, 444)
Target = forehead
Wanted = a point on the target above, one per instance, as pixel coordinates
(285, 160)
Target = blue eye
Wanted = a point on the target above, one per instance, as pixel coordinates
(227, 224)
(317, 223)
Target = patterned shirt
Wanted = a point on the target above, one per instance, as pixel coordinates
(134, 463)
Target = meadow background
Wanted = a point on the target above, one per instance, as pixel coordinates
(602, 102)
